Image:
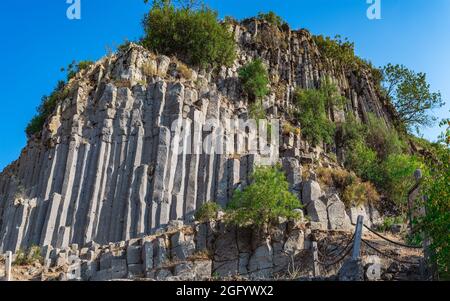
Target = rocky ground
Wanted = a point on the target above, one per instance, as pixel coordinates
(188, 254)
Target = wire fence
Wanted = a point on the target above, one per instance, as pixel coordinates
(337, 258)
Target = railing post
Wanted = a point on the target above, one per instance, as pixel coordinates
(8, 263)
(358, 234)
(315, 259)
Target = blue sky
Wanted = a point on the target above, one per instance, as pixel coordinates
(38, 39)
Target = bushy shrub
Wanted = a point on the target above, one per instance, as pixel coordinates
(193, 34)
(255, 79)
(28, 257)
(397, 176)
(208, 211)
(350, 133)
(385, 141)
(436, 222)
(363, 161)
(359, 193)
(390, 221)
(46, 108)
(313, 117)
(342, 52)
(272, 18)
(75, 67)
(264, 200)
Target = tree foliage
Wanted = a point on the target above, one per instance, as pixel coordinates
(313, 107)
(255, 79)
(46, 108)
(272, 18)
(436, 222)
(208, 211)
(189, 30)
(411, 96)
(264, 200)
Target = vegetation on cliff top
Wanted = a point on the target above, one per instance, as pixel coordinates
(190, 31)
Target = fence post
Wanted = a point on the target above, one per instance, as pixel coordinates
(8, 263)
(358, 234)
(315, 259)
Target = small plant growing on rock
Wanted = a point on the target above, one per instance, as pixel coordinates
(208, 211)
(255, 79)
(28, 257)
(264, 200)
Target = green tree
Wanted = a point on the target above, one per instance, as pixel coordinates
(436, 188)
(272, 18)
(411, 96)
(255, 79)
(313, 107)
(264, 200)
(383, 139)
(189, 30)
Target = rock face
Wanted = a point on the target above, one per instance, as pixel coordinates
(112, 163)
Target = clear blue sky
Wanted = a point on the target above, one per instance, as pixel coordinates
(38, 39)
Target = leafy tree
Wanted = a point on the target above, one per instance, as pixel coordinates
(383, 139)
(255, 79)
(190, 31)
(363, 161)
(272, 18)
(264, 200)
(350, 132)
(436, 188)
(313, 106)
(411, 95)
(397, 177)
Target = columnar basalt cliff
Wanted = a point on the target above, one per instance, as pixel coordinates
(107, 167)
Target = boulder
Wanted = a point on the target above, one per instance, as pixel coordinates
(337, 215)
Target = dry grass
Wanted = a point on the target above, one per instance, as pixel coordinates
(288, 128)
(339, 178)
(149, 69)
(360, 193)
(122, 83)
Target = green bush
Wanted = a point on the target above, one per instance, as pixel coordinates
(313, 107)
(255, 79)
(316, 127)
(264, 200)
(46, 108)
(193, 34)
(75, 67)
(436, 223)
(363, 161)
(272, 18)
(389, 221)
(350, 133)
(28, 257)
(397, 177)
(385, 141)
(342, 51)
(208, 211)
